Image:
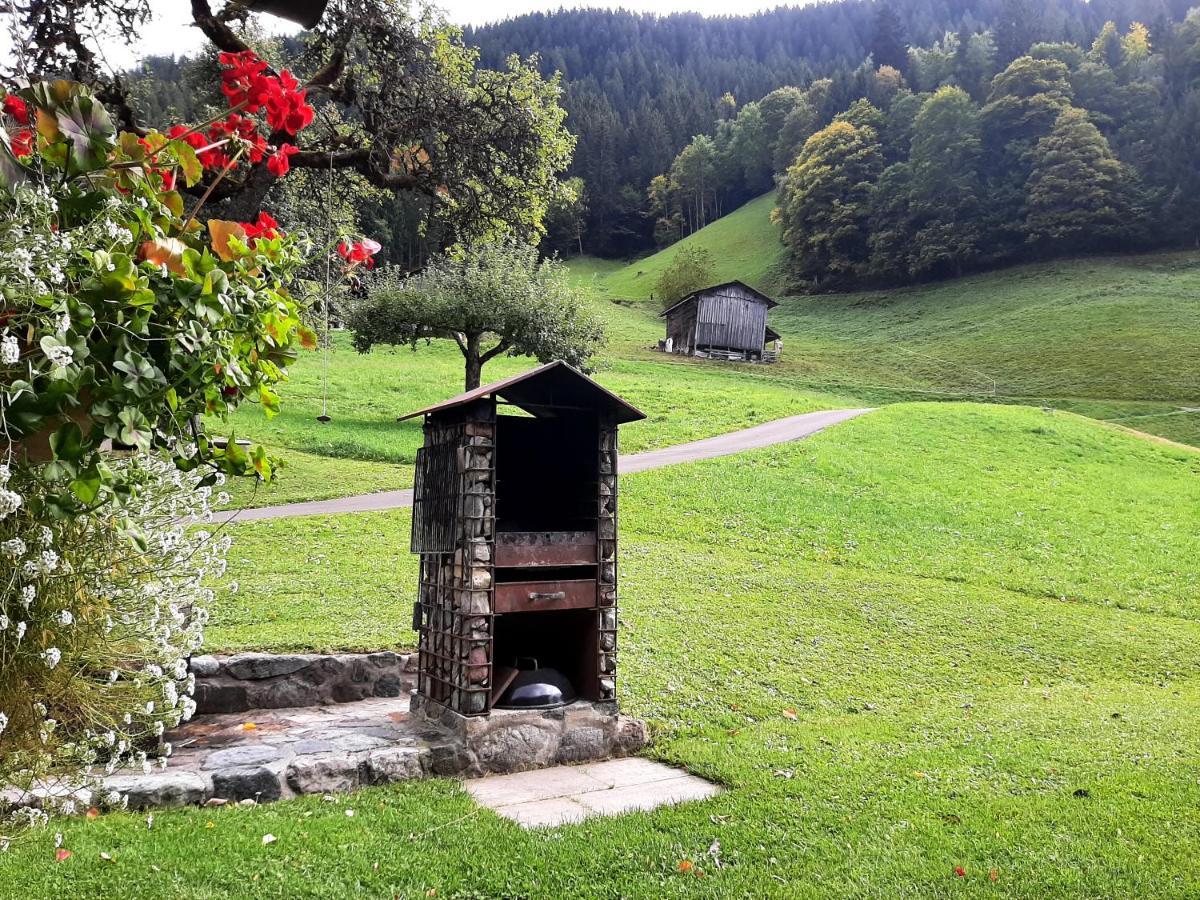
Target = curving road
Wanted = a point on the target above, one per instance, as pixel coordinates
(780, 431)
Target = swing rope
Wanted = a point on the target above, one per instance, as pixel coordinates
(325, 417)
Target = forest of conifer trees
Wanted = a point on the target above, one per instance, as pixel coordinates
(910, 139)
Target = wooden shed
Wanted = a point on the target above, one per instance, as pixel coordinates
(726, 321)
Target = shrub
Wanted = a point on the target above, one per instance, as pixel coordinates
(691, 269)
(95, 632)
(121, 322)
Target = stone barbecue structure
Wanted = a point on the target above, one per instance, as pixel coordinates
(515, 520)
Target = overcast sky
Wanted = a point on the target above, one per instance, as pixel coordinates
(169, 32)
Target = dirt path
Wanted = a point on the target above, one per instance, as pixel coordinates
(779, 431)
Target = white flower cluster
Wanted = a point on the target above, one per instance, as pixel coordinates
(10, 349)
(79, 596)
(60, 355)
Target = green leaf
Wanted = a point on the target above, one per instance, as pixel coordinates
(173, 399)
(67, 442)
(262, 465)
(189, 164)
(87, 486)
(12, 173)
(269, 400)
(235, 456)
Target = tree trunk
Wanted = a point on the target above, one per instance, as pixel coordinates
(474, 367)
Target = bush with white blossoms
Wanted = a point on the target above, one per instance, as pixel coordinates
(123, 321)
(95, 632)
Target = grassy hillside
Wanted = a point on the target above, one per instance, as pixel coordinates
(744, 245)
(1115, 338)
(937, 636)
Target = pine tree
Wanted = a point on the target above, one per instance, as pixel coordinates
(1077, 197)
(947, 189)
(888, 45)
(825, 203)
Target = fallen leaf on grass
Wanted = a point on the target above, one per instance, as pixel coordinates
(62, 854)
(93, 813)
(960, 871)
(268, 839)
(349, 814)
(107, 857)
(686, 865)
(789, 713)
(919, 775)
(993, 875)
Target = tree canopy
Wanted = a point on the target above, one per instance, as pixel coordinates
(499, 293)
(402, 105)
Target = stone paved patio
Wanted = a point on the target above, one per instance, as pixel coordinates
(564, 794)
(271, 754)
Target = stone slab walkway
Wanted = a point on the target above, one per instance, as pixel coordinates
(792, 428)
(265, 755)
(561, 795)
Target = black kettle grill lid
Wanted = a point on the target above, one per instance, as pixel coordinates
(537, 688)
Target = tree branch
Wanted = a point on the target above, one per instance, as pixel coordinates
(222, 36)
(503, 345)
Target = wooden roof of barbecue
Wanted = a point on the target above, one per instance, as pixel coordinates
(555, 385)
(771, 304)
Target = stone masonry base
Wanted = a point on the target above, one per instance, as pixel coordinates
(272, 727)
(513, 740)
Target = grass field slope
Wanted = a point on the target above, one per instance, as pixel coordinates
(939, 638)
(1116, 338)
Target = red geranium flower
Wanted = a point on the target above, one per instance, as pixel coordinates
(287, 106)
(22, 143)
(15, 107)
(265, 227)
(243, 81)
(359, 252)
(278, 162)
(168, 179)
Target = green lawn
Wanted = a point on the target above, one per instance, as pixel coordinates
(1111, 338)
(984, 620)
(365, 449)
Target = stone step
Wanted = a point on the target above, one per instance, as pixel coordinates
(254, 681)
(273, 754)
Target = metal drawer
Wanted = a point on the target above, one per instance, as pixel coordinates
(533, 596)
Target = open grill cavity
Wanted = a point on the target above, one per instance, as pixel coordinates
(515, 520)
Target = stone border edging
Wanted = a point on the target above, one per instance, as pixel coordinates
(249, 681)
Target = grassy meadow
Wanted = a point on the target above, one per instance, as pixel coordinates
(1110, 338)
(936, 637)
(946, 648)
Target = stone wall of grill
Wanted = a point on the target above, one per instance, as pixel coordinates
(454, 531)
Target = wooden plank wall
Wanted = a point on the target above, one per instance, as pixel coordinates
(731, 318)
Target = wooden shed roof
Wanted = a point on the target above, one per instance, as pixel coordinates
(541, 390)
(771, 304)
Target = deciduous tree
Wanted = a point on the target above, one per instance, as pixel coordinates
(824, 203)
(690, 270)
(498, 292)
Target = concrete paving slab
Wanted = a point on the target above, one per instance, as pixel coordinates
(642, 797)
(630, 771)
(548, 813)
(528, 787)
(564, 794)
